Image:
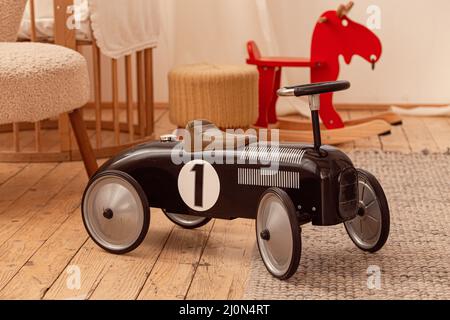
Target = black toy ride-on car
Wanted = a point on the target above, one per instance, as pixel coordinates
(310, 184)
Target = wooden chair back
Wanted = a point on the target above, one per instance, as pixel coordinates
(126, 132)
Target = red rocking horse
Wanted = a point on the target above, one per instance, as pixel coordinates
(335, 34)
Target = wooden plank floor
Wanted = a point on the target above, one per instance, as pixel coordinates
(44, 246)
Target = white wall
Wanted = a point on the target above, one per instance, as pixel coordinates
(415, 66)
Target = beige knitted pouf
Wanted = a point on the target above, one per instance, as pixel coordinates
(223, 94)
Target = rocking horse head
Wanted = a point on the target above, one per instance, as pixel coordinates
(336, 34)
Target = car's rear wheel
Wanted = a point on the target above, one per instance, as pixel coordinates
(187, 221)
(370, 229)
(115, 212)
(278, 234)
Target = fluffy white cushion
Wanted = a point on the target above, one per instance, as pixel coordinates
(39, 81)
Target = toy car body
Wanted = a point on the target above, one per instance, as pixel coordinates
(324, 187)
(282, 186)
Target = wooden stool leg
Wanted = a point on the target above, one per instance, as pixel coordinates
(84, 144)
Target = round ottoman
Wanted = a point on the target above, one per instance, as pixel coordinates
(223, 94)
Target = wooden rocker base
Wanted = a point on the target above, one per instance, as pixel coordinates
(335, 136)
(298, 123)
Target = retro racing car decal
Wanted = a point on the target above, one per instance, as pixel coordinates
(199, 185)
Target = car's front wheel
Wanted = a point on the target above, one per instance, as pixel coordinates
(370, 229)
(278, 234)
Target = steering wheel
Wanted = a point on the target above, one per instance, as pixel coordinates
(314, 89)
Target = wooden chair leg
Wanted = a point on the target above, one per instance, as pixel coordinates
(84, 144)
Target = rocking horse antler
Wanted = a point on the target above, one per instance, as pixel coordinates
(345, 9)
(341, 11)
(350, 6)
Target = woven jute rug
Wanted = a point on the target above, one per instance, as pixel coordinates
(414, 264)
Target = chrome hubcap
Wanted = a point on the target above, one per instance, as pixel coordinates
(365, 229)
(275, 239)
(113, 213)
